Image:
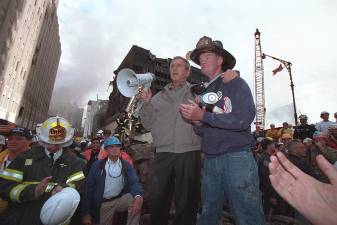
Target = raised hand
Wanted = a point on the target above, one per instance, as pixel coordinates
(229, 75)
(145, 95)
(315, 200)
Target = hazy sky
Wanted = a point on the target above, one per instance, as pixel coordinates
(96, 36)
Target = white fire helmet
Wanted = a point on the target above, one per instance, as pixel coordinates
(59, 208)
(55, 130)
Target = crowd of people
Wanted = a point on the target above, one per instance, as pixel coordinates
(206, 156)
(300, 145)
(35, 168)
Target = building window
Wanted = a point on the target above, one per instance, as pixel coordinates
(21, 111)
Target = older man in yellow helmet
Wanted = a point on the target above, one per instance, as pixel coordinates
(40, 172)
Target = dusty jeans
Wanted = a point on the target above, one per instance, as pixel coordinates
(232, 176)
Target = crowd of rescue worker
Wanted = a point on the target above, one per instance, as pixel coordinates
(301, 145)
(205, 156)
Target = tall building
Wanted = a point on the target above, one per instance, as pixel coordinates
(90, 122)
(76, 119)
(30, 51)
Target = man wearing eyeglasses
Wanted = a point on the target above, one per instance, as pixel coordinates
(112, 186)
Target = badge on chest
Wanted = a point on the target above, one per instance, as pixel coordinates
(28, 162)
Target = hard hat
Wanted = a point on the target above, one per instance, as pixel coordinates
(59, 208)
(307, 140)
(22, 132)
(99, 133)
(303, 117)
(112, 141)
(55, 130)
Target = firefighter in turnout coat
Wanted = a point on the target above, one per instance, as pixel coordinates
(39, 173)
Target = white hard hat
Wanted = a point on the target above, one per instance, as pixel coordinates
(100, 133)
(55, 130)
(307, 140)
(59, 208)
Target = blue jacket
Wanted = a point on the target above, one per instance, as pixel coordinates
(95, 183)
(227, 128)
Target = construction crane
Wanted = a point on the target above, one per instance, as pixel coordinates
(259, 83)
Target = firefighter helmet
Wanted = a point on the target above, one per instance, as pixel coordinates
(100, 133)
(59, 208)
(55, 130)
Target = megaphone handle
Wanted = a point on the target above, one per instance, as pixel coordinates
(144, 87)
(136, 112)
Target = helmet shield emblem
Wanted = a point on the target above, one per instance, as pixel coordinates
(57, 133)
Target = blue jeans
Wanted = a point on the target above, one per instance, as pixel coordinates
(232, 176)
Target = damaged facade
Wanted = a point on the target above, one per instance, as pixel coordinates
(141, 60)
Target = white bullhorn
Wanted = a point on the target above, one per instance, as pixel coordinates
(128, 82)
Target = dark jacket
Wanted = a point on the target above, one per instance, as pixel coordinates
(302, 164)
(304, 131)
(95, 183)
(19, 180)
(228, 128)
(265, 184)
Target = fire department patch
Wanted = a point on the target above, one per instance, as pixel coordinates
(227, 104)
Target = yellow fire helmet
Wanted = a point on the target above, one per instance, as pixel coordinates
(55, 131)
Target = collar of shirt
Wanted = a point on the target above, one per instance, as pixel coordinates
(56, 154)
(171, 87)
(113, 169)
(114, 180)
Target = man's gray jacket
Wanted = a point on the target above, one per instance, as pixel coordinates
(170, 131)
